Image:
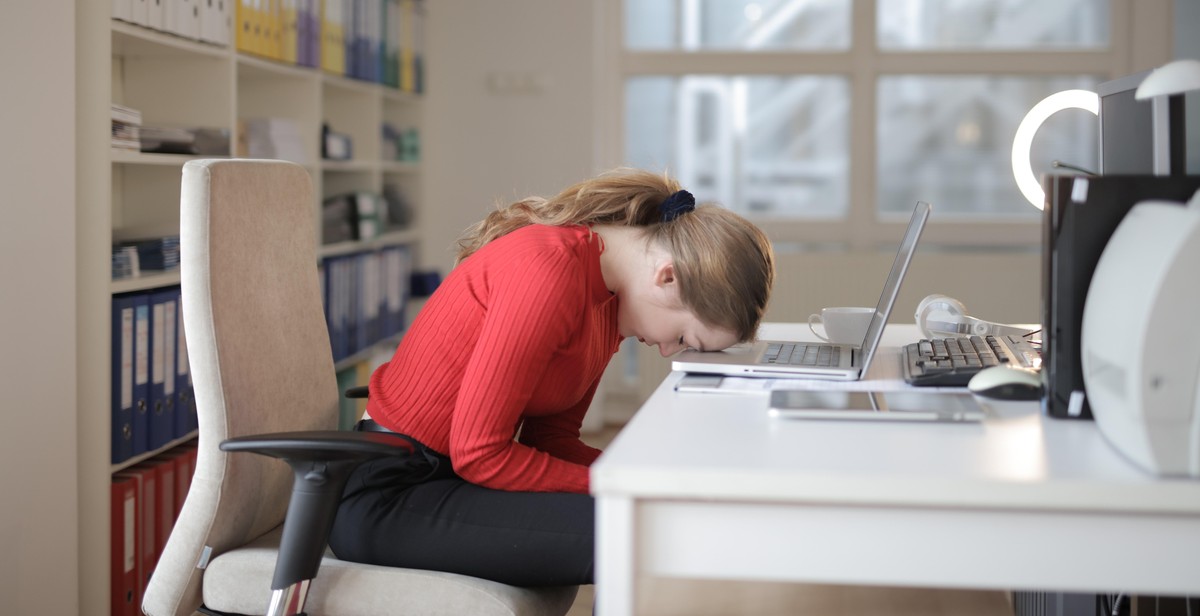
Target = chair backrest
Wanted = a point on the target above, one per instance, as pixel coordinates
(259, 355)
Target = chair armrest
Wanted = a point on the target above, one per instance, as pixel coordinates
(322, 445)
(357, 392)
(322, 463)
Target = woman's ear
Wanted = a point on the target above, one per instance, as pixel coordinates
(664, 273)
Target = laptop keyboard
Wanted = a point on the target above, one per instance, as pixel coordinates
(800, 354)
(953, 361)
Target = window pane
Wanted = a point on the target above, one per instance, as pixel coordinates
(737, 25)
(948, 140)
(992, 24)
(767, 146)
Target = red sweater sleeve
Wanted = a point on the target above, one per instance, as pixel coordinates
(558, 434)
(534, 304)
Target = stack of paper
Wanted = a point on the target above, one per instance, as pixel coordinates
(126, 126)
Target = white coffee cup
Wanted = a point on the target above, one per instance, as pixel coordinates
(842, 324)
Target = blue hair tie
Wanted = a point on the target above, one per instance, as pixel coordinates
(681, 202)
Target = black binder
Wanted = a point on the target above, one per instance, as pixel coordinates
(1080, 215)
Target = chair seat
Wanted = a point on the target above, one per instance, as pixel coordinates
(239, 582)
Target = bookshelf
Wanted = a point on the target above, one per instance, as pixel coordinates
(180, 82)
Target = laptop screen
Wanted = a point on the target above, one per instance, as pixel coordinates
(908, 246)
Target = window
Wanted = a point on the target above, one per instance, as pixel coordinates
(768, 145)
(825, 120)
(737, 25)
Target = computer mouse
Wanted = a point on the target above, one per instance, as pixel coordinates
(1007, 383)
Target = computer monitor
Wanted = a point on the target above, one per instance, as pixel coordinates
(1128, 141)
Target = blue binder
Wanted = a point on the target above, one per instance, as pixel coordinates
(123, 308)
(350, 28)
(162, 368)
(401, 278)
(330, 295)
(345, 301)
(141, 374)
(388, 262)
(362, 309)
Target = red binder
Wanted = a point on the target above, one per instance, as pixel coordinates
(183, 459)
(124, 549)
(146, 478)
(165, 507)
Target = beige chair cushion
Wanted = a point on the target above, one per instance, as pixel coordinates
(239, 581)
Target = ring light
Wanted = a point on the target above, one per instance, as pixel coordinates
(1021, 167)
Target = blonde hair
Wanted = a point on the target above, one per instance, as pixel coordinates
(724, 264)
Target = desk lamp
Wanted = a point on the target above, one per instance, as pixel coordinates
(1164, 86)
(1023, 141)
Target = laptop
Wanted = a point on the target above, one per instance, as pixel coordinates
(792, 359)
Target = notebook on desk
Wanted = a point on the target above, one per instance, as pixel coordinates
(784, 358)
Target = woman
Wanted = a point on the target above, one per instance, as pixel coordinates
(492, 380)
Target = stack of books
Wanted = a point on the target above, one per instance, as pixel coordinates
(126, 125)
(156, 254)
(125, 262)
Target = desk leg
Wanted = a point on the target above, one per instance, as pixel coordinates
(616, 568)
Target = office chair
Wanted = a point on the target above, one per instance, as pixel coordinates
(264, 379)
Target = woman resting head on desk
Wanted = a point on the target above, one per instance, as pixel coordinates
(514, 342)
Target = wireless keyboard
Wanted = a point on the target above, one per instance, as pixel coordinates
(951, 362)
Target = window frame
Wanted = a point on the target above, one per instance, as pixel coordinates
(1139, 40)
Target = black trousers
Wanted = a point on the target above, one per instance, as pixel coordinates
(416, 513)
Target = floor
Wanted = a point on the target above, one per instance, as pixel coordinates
(681, 597)
(670, 597)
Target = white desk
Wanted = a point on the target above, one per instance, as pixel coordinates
(704, 485)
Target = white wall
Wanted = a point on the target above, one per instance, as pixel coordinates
(509, 109)
(1187, 45)
(38, 480)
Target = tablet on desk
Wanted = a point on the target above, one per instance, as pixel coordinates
(875, 405)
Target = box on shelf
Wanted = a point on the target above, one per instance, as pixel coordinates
(335, 146)
(277, 138)
(352, 216)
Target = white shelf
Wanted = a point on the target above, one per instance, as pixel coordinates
(150, 454)
(352, 85)
(133, 41)
(389, 238)
(349, 166)
(263, 68)
(123, 157)
(145, 281)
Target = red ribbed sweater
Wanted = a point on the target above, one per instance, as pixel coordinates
(515, 338)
